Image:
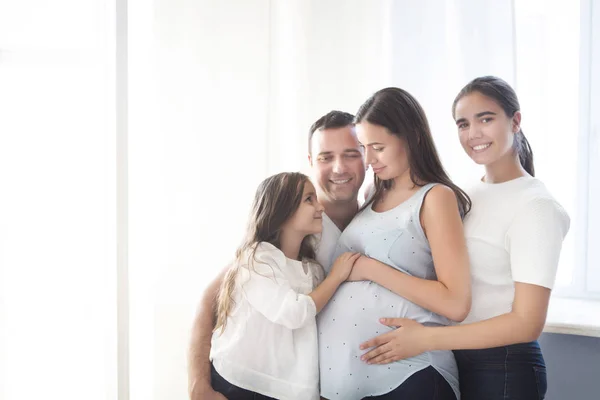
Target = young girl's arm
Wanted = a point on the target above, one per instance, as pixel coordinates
(534, 242)
(450, 295)
(339, 273)
(270, 293)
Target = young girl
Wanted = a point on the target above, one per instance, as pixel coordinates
(514, 234)
(265, 340)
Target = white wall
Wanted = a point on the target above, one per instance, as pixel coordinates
(198, 107)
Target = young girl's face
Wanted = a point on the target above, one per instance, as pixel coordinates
(486, 133)
(384, 152)
(308, 218)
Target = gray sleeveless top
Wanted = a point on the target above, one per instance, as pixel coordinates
(396, 238)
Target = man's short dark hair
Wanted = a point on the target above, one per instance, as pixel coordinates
(332, 120)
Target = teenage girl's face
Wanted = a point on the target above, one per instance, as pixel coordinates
(486, 133)
(386, 153)
(308, 218)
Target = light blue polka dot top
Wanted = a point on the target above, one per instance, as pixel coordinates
(396, 238)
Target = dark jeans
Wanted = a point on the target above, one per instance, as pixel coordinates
(426, 384)
(515, 372)
(232, 392)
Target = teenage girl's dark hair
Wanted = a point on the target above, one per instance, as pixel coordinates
(503, 94)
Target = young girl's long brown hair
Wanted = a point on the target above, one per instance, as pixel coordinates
(276, 200)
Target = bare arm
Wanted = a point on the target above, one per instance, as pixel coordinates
(199, 385)
(270, 293)
(323, 293)
(450, 295)
(339, 272)
(523, 324)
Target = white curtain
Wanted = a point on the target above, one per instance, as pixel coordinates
(333, 55)
(548, 85)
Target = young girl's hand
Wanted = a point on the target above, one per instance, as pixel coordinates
(342, 267)
(359, 271)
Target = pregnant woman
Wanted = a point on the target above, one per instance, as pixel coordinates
(415, 262)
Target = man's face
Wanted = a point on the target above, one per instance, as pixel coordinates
(337, 164)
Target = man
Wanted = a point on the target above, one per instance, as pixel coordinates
(338, 168)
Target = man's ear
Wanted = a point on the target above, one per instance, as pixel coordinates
(309, 160)
(516, 122)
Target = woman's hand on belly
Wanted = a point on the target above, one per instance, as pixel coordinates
(408, 340)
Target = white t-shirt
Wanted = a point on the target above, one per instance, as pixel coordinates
(514, 233)
(269, 345)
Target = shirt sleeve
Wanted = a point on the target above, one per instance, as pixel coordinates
(267, 290)
(534, 241)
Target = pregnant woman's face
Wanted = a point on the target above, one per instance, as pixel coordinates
(384, 152)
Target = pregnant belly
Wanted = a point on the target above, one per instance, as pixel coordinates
(351, 318)
(353, 314)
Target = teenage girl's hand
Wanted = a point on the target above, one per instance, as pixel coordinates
(406, 341)
(342, 267)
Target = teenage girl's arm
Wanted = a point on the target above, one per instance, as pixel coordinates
(339, 273)
(534, 243)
